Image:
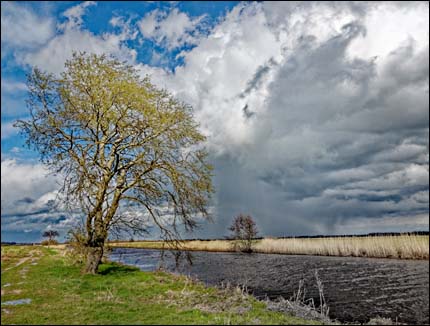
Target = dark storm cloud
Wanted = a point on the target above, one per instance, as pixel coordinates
(258, 77)
(25, 200)
(247, 112)
(26, 214)
(342, 139)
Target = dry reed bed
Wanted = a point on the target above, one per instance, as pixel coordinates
(402, 246)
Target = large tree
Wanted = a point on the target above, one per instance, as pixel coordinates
(118, 140)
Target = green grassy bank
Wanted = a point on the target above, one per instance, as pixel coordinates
(60, 294)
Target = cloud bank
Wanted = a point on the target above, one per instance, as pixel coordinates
(317, 114)
(313, 122)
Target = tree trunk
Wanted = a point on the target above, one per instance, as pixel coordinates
(94, 257)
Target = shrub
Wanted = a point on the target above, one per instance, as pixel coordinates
(49, 242)
(76, 247)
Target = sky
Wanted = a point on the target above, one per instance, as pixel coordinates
(316, 114)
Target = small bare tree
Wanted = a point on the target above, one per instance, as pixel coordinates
(244, 230)
(50, 234)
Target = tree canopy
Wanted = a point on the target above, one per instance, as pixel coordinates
(50, 234)
(118, 141)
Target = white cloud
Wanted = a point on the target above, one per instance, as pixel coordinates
(25, 188)
(22, 28)
(149, 24)
(172, 29)
(218, 70)
(71, 37)
(400, 24)
(9, 86)
(52, 57)
(8, 130)
(74, 15)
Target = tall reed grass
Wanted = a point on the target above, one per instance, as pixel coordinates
(400, 246)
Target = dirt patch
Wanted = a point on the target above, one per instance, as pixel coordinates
(16, 291)
(23, 272)
(20, 262)
(34, 260)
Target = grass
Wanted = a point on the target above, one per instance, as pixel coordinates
(120, 294)
(401, 246)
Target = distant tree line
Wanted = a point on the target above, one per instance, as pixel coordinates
(374, 234)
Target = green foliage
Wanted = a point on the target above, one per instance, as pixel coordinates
(116, 138)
